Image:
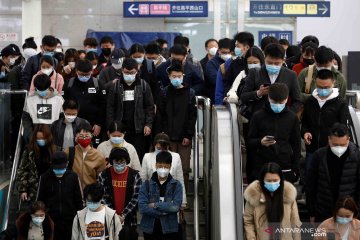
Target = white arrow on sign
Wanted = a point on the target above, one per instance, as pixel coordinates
(324, 9)
(132, 9)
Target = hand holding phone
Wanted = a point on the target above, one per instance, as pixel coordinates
(267, 141)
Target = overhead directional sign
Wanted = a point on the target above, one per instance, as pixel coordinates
(288, 35)
(166, 9)
(289, 9)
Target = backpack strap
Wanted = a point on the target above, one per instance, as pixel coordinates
(309, 78)
(149, 66)
(223, 70)
(96, 83)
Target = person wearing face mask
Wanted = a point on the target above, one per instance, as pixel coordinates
(274, 135)
(213, 65)
(116, 139)
(32, 66)
(96, 220)
(333, 172)
(59, 189)
(160, 200)
(256, 88)
(94, 59)
(107, 45)
(35, 224)
(121, 185)
(47, 68)
(85, 160)
(68, 70)
(64, 129)
(271, 203)
(324, 57)
(29, 48)
(148, 167)
(35, 161)
(130, 101)
(321, 111)
(153, 53)
(9, 55)
(90, 95)
(193, 77)
(43, 107)
(90, 44)
(307, 58)
(344, 224)
(177, 113)
(211, 47)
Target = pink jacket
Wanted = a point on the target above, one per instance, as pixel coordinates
(57, 82)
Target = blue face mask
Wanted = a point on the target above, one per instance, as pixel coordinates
(46, 53)
(42, 93)
(157, 151)
(324, 92)
(272, 186)
(277, 107)
(41, 142)
(91, 50)
(2, 74)
(119, 167)
(117, 140)
(251, 66)
(343, 220)
(93, 206)
(176, 82)
(59, 172)
(38, 220)
(139, 60)
(238, 52)
(273, 69)
(129, 78)
(84, 78)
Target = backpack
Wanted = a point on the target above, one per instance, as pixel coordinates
(149, 66)
(247, 109)
(96, 83)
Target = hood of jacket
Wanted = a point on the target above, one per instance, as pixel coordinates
(334, 94)
(255, 196)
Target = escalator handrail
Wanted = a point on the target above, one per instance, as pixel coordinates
(16, 158)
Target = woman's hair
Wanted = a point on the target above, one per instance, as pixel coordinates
(274, 208)
(338, 59)
(92, 56)
(36, 206)
(136, 48)
(115, 126)
(71, 53)
(254, 52)
(348, 203)
(47, 59)
(45, 129)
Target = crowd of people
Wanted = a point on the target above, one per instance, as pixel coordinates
(109, 134)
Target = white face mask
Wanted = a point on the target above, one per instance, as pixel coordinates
(70, 118)
(338, 150)
(225, 56)
(47, 71)
(72, 64)
(212, 51)
(12, 61)
(163, 172)
(29, 52)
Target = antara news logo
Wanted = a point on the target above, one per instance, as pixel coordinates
(310, 231)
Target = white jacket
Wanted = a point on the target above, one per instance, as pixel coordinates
(148, 168)
(231, 95)
(105, 148)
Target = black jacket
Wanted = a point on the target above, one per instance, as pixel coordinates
(58, 129)
(318, 121)
(257, 77)
(107, 75)
(285, 127)
(150, 76)
(144, 104)
(236, 66)
(203, 62)
(92, 101)
(62, 196)
(319, 197)
(290, 62)
(178, 113)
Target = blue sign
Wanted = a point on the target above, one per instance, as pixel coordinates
(165, 9)
(289, 9)
(288, 35)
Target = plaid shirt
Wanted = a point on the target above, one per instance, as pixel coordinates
(131, 208)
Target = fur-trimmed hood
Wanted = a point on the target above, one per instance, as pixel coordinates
(255, 196)
(22, 226)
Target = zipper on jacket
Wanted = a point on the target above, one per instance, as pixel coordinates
(319, 123)
(60, 200)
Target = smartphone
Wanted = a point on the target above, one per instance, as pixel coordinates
(270, 138)
(266, 84)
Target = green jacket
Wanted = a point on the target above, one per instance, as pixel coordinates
(339, 78)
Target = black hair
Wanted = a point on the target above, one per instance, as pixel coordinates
(70, 104)
(309, 48)
(278, 92)
(348, 203)
(91, 56)
(181, 40)
(292, 51)
(106, 39)
(225, 43)
(175, 68)
(49, 40)
(71, 53)
(310, 38)
(85, 126)
(29, 43)
(90, 42)
(115, 126)
(284, 41)
(164, 157)
(274, 206)
(119, 153)
(339, 130)
(325, 74)
(338, 59)
(266, 41)
(245, 38)
(275, 50)
(37, 206)
(58, 41)
(42, 82)
(324, 55)
(209, 41)
(47, 59)
(129, 64)
(232, 48)
(83, 65)
(81, 52)
(136, 48)
(94, 191)
(161, 41)
(153, 48)
(178, 50)
(254, 52)
(59, 56)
